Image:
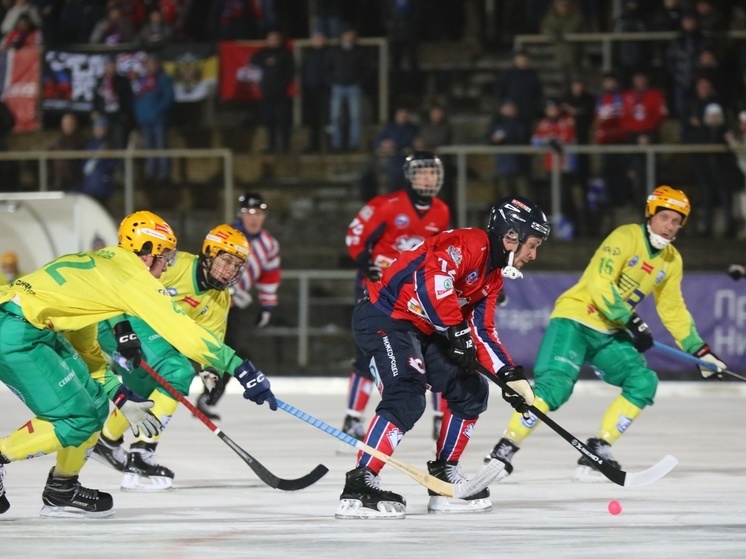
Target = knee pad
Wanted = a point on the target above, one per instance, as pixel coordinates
(554, 388)
(640, 387)
(467, 395)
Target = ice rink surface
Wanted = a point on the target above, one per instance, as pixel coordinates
(218, 507)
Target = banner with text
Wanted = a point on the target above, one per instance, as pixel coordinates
(717, 303)
(19, 86)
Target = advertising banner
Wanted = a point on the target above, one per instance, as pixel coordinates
(193, 67)
(19, 86)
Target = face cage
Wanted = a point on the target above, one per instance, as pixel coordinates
(411, 175)
(210, 263)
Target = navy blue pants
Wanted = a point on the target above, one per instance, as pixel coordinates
(405, 362)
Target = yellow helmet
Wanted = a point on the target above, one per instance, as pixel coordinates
(225, 238)
(144, 232)
(667, 198)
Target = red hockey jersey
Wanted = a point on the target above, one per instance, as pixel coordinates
(444, 281)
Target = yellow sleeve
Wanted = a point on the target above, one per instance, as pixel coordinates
(216, 318)
(672, 309)
(85, 342)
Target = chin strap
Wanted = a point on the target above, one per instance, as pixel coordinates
(657, 241)
(509, 271)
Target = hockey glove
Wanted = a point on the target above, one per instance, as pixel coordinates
(210, 378)
(736, 271)
(215, 394)
(642, 338)
(462, 349)
(706, 354)
(136, 411)
(373, 272)
(128, 344)
(256, 385)
(263, 318)
(523, 395)
(240, 297)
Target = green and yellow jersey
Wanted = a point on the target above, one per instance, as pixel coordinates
(73, 293)
(624, 270)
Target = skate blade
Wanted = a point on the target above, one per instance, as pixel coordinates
(352, 509)
(135, 482)
(445, 505)
(49, 511)
(102, 460)
(586, 474)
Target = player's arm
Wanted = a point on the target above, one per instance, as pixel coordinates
(362, 235)
(672, 310)
(267, 284)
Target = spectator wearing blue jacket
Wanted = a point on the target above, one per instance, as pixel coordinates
(154, 96)
(98, 172)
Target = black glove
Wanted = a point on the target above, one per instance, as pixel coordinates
(462, 349)
(706, 354)
(736, 271)
(523, 395)
(217, 391)
(256, 385)
(128, 344)
(373, 272)
(642, 338)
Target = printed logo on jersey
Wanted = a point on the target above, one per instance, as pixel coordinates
(623, 423)
(390, 355)
(401, 221)
(366, 212)
(613, 251)
(472, 277)
(633, 261)
(414, 307)
(529, 423)
(191, 302)
(660, 277)
(443, 286)
(417, 364)
(172, 291)
(647, 267)
(408, 242)
(455, 254)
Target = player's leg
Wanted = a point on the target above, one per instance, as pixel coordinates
(466, 396)
(43, 369)
(561, 355)
(438, 406)
(618, 363)
(392, 349)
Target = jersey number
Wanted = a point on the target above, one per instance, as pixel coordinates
(53, 269)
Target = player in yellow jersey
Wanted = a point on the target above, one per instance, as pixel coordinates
(595, 322)
(65, 380)
(198, 284)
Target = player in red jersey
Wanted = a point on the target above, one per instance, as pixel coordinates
(385, 227)
(424, 325)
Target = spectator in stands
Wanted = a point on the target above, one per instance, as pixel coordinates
(711, 20)
(716, 174)
(704, 95)
(562, 18)
(401, 19)
(348, 72)
(435, 131)
(393, 143)
(233, 20)
(630, 56)
(113, 101)
(521, 84)
(113, 29)
(557, 130)
(643, 113)
(315, 91)
(19, 8)
(511, 169)
(49, 11)
(708, 65)
(23, 35)
(98, 173)
(78, 19)
(328, 18)
(668, 16)
(153, 99)
(9, 270)
(155, 32)
(278, 71)
(681, 58)
(580, 104)
(66, 173)
(608, 131)
(737, 141)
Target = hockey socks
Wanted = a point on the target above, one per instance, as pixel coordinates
(382, 435)
(358, 394)
(454, 436)
(617, 418)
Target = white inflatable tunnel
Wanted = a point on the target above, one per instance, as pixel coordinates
(40, 226)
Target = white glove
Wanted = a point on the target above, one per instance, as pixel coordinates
(210, 378)
(263, 318)
(514, 377)
(136, 411)
(241, 298)
(705, 354)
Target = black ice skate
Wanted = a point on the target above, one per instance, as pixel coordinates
(110, 453)
(4, 503)
(362, 497)
(586, 471)
(142, 472)
(452, 473)
(64, 497)
(504, 451)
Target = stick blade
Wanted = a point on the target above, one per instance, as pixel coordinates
(652, 474)
(302, 482)
(483, 479)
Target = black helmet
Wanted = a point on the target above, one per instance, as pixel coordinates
(251, 201)
(516, 218)
(423, 160)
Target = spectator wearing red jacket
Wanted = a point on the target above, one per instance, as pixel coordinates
(643, 113)
(608, 130)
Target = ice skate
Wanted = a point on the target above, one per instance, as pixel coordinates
(354, 427)
(504, 451)
(206, 408)
(143, 473)
(4, 503)
(586, 472)
(363, 498)
(110, 453)
(452, 473)
(64, 497)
